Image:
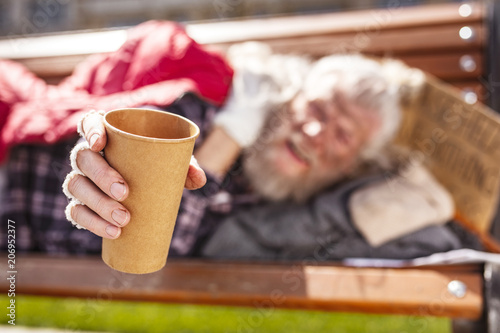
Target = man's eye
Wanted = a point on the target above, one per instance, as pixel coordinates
(343, 136)
(317, 111)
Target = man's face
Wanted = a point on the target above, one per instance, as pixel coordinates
(313, 144)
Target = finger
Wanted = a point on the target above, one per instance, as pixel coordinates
(95, 133)
(196, 177)
(94, 166)
(108, 209)
(94, 223)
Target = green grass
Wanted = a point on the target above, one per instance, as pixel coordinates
(116, 316)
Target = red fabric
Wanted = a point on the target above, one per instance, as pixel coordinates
(156, 64)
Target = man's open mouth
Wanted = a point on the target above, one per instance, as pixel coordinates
(298, 155)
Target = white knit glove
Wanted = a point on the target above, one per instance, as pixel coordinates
(80, 145)
(261, 81)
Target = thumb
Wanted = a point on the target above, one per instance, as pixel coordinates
(92, 128)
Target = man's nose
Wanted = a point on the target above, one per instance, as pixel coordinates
(312, 128)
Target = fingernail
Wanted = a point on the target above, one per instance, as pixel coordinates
(93, 139)
(118, 190)
(120, 216)
(112, 230)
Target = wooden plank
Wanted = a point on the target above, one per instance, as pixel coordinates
(395, 17)
(417, 39)
(53, 67)
(477, 87)
(446, 66)
(320, 287)
(62, 44)
(223, 32)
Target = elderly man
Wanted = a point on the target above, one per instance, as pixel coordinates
(294, 163)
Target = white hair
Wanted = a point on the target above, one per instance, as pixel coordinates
(375, 85)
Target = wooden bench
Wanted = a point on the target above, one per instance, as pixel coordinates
(426, 37)
(447, 41)
(313, 286)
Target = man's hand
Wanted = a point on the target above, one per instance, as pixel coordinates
(262, 81)
(102, 189)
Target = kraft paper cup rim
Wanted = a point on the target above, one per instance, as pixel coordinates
(148, 138)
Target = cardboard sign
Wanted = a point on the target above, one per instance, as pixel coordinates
(460, 144)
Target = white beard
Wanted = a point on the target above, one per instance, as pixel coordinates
(270, 184)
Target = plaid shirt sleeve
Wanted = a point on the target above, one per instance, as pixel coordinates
(191, 217)
(33, 199)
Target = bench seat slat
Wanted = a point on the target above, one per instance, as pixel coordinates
(332, 288)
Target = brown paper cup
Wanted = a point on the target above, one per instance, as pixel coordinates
(151, 150)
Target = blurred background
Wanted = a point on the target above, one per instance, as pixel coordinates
(23, 17)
